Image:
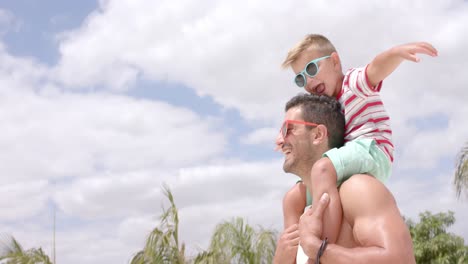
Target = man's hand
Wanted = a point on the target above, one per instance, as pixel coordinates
(286, 248)
(310, 227)
(409, 51)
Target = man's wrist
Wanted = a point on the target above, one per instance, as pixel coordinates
(321, 250)
(311, 246)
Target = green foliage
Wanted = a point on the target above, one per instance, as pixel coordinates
(232, 242)
(238, 242)
(162, 244)
(461, 174)
(11, 252)
(433, 244)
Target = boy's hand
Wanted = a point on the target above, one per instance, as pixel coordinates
(286, 249)
(408, 51)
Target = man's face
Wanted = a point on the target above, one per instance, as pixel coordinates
(296, 145)
(327, 79)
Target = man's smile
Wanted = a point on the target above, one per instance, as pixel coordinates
(286, 150)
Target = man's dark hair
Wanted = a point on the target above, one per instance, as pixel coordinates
(322, 109)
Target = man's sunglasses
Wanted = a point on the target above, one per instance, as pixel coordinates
(284, 127)
(311, 69)
(284, 130)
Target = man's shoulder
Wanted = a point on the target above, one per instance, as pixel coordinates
(364, 195)
(295, 196)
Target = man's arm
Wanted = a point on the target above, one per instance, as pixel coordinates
(294, 202)
(377, 225)
(386, 62)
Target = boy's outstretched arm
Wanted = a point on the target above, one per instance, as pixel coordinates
(386, 62)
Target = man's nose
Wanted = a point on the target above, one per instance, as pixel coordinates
(279, 142)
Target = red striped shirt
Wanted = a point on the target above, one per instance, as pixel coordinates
(364, 111)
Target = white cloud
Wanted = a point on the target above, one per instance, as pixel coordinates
(95, 198)
(415, 195)
(226, 182)
(83, 134)
(232, 50)
(264, 135)
(22, 199)
(91, 245)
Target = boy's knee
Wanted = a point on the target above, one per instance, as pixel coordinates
(323, 172)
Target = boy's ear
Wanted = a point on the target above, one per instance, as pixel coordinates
(320, 135)
(336, 60)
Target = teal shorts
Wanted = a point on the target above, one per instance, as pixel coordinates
(360, 156)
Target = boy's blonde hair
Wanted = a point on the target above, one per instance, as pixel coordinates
(314, 42)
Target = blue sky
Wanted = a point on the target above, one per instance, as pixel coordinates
(38, 22)
(104, 101)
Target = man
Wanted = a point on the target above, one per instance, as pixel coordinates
(372, 229)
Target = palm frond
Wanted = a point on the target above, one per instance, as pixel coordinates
(265, 246)
(9, 244)
(162, 244)
(237, 242)
(11, 252)
(461, 173)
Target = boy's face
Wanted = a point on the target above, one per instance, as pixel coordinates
(327, 80)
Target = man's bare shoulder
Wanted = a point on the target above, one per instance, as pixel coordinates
(374, 218)
(295, 193)
(363, 195)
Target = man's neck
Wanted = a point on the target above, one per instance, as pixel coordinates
(304, 174)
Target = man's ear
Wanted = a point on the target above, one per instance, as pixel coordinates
(320, 135)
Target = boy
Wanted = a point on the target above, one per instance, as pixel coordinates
(368, 148)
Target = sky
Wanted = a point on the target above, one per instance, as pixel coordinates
(104, 102)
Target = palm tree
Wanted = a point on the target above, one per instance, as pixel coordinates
(11, 252)
(238, 242)
(162, 244)
(461, 174)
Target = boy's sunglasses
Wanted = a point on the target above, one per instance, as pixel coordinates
(311, 69)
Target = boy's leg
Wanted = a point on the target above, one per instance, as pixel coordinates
(323, 180)
(357, 157)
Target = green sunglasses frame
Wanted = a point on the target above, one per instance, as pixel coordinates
(303, 73)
